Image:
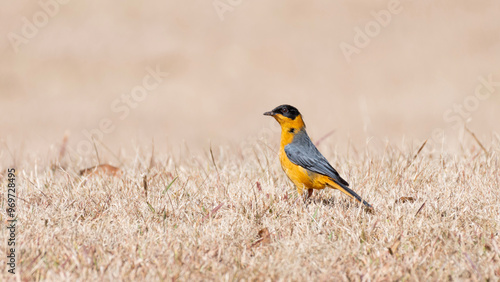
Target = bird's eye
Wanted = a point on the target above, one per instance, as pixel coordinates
(285, 110)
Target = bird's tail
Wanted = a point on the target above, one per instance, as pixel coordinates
(346, 190)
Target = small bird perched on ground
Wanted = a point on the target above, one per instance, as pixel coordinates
(304, 165)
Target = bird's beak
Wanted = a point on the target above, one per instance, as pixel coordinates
(271, 113)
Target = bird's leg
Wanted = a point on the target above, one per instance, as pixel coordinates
(309, 193)
(307, 197)
(302, 196)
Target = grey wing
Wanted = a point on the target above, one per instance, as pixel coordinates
(302, 152)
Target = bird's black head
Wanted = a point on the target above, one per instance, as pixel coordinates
(285, 110)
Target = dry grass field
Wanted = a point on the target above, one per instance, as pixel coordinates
(235, 216)
(168, 96)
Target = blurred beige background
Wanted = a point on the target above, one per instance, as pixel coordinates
(227, 66)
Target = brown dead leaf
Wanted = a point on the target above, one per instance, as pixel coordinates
(263, 238)
(395, 246)
(259, 187)
(405, 199)
(102, 169)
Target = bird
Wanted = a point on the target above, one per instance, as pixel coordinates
(301, 161)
